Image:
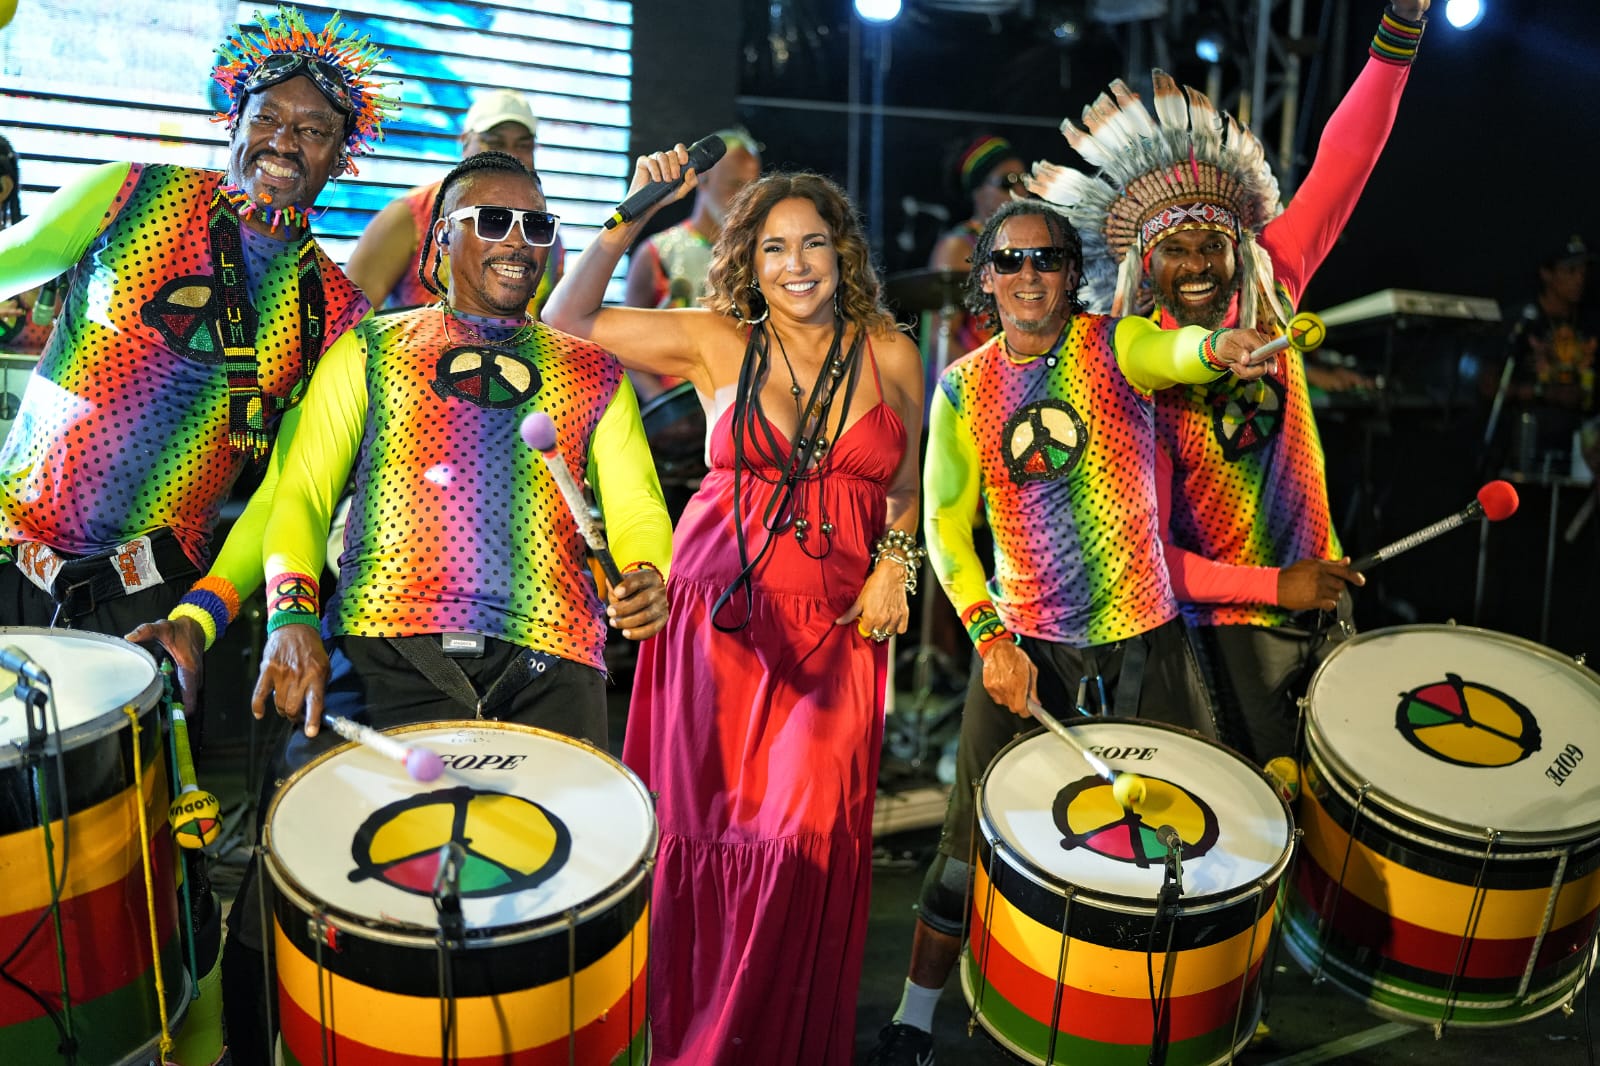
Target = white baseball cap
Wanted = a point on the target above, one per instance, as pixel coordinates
(497, 106)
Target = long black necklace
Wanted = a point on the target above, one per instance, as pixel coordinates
(752, 427)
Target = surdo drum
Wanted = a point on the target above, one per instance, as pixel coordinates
(1064, 913)
(554, 844)
(1450, 800)
(86, 878)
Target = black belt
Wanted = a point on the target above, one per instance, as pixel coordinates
(84, 583)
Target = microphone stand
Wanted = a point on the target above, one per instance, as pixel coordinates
(1166, 900)
(452, 933)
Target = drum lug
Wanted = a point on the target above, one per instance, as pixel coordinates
(1566, 1009)
(1582, 658)
(324, 932)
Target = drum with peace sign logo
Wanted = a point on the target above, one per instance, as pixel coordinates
(1080, 950)
(1451, 807)
(541, 845)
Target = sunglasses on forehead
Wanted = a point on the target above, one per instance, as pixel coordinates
(281, 66)
(1009, 260)
(494, 223)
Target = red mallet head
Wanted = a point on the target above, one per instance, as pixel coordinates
(1498, 500)
(538, 432)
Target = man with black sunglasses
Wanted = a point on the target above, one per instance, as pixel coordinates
(386, 262)
(1049, 427)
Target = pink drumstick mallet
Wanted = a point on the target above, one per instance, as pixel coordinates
(422, 764)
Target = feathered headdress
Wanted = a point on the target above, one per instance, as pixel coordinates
(246, 67)
(1189, 167)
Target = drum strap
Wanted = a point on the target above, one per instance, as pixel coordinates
(79, 584)
(1130, 679)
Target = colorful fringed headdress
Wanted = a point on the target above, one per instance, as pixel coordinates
(339, 64)
(1191, 167)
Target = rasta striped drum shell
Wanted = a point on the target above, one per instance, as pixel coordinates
(557, 841)
(1450, 800)
(94, 859)
(1069, 953)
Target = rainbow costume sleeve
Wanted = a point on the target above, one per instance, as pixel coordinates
(951, 475)
(623, 474)
(313, 471)
(1152, 358)
(54, 238)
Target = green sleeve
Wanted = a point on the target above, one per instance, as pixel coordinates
(52, 239)
(951, 477)
(1153, 358)
(623, 473)
(317, 463)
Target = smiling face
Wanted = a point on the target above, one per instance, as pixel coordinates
(1194, 274)
(495, 279)
(285, 147)
(1030, 304)
(796, 262)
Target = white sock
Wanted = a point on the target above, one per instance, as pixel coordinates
(916, 1006)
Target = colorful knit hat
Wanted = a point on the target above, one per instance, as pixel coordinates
(1191, 167)
(336, 62)
(979, 158)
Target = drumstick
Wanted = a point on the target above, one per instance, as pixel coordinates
(195, 815)
(423, 764)
(539, 434)
(1305, 333)
(1127, 788)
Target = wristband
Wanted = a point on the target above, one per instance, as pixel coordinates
(984, 627)
(1397, 38)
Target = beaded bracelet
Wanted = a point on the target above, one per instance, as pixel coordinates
(1397, 38)
(1208, 352)
(898, 546)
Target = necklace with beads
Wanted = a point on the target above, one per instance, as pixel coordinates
(476, 335)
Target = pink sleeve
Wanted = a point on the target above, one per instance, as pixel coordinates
(1299, 239)
(1196, 579)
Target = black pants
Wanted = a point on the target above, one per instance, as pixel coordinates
(374, 683)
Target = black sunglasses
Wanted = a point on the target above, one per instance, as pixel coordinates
(281, 66)
(1045, 260)
(494, 223)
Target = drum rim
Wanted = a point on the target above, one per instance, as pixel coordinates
(409, 934)
(1345, 778)
(103, 724)
(1187, 904)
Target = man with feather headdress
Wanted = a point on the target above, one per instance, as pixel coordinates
(1184, 202)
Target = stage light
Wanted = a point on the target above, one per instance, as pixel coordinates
(1463, 14)
(878, 10)
(1209, 46)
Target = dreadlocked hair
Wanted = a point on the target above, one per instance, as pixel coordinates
(11, 206)
(732, 278)
(482, 163)
(1062, 236)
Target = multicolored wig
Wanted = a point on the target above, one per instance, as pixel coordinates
(339, 64)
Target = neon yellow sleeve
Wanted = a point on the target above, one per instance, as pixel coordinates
(1153, 358)
(317, 465)
(623, 473)
(950, 481)
(52, 239)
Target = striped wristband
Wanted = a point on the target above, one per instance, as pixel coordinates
(291, 598)
(984, 627)
(1397, 38)
(1208, 353)
(212, 602)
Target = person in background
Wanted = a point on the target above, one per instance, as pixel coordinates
(386, 262)
(26, 318)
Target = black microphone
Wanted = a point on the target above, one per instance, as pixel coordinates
(1168, 838)
(44, 305)
(16, 660)
(703, 155)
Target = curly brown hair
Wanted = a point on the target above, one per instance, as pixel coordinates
(733, 277)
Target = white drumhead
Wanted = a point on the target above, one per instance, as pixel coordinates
(1478, 729)
(91, 676)
(547, 823)
(1045, 803)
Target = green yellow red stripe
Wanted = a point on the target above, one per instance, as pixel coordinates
(524, 1022)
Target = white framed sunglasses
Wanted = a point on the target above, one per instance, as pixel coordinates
(494, 223)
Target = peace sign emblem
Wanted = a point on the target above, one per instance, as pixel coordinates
(1247, 416)
(485, 376)
(1044, 441)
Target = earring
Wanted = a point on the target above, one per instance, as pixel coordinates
(766, 309)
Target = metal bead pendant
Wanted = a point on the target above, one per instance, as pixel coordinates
(827, 529)
(794, 390)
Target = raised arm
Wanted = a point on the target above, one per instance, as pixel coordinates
(1153, 358)
(55, 237)
(384, 253)
(665, 342)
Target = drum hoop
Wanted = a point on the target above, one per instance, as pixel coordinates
(103, 724)
(1113, 901)
(409, 934)
(1346, 781)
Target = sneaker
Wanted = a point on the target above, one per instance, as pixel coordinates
(901, 1045)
